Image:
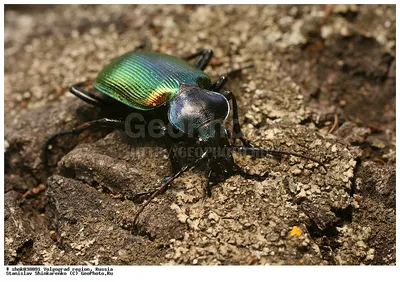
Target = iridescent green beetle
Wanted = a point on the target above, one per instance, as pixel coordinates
(144, 81)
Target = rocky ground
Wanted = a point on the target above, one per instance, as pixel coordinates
(323, 84)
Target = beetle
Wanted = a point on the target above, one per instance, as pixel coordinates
(146, 81)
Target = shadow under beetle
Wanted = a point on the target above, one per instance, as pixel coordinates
(147, 81)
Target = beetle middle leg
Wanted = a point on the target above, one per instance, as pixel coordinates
(104, 122)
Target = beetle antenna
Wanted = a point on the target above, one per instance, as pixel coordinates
(239, 70)
(161, 187)
(260, 153)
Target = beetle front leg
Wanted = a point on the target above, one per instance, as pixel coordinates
(104, 122)
(175, 165)
(163, 185)
(217, 86)
(237, 131)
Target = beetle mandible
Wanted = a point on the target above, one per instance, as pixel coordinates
(144, 81)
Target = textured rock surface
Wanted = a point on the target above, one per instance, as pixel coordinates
(300, 214)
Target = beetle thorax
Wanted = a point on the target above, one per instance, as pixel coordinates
(194, 107)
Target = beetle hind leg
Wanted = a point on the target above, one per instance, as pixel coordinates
(145, 45)
(151, 191)
(104, 122)
(203, 60)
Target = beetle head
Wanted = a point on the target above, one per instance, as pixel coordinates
(214, 138)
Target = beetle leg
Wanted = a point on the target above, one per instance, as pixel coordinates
(151, 191)
(137, 195)
(237, 131)
(234, 72)
(171, 153)
(207, 186)
(163, 185)
(84, 95)
(104, 122)
(217, 86)
(145, 45)
(172, 157)
(204, 59)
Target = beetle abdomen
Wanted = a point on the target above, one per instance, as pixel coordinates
(145, 80)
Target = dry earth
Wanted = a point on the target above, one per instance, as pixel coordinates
(311, 63)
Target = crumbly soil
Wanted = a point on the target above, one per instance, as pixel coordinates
(323, 85)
